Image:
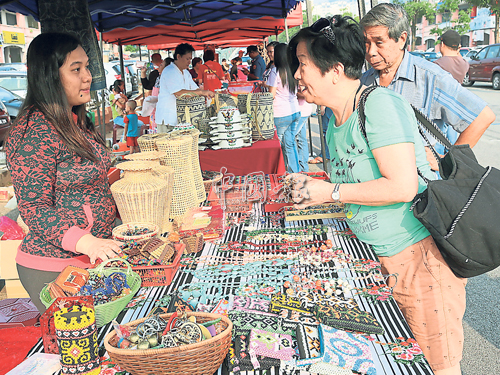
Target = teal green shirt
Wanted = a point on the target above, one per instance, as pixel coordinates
(389, 120)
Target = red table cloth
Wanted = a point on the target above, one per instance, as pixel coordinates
(262, 156)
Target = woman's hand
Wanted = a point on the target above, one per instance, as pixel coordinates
(143, 71)
(98, 248)
(308, 191)
(207, 93)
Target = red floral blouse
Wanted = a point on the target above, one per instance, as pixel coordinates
(60, 195)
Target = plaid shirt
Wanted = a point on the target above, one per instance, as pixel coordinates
(433, 91)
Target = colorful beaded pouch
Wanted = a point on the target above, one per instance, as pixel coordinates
(179, 305)
(245, 321)
(308, 341)
(77, 340)
(346, 315)
(271, 345)
(250, 304)
(240, 359)
(290, 319)
(281, 301)
(347, 350)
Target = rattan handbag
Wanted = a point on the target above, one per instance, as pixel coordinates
(260, 108)
(191, 109)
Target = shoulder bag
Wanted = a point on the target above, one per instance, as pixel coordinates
(461, 210)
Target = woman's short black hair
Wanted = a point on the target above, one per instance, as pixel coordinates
(195, 61)
(340, 41)
(208, 55)
(182, 49)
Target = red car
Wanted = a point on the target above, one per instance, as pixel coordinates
(484, 66)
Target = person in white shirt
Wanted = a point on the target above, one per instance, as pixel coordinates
(174, 82)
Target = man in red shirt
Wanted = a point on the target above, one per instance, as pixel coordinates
(211, 72)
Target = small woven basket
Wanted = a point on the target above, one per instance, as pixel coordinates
(106, 312)
(194, 243)
(203, 358)
(208, 183)
(118, 232)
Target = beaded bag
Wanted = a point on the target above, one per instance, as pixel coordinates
(271, 345)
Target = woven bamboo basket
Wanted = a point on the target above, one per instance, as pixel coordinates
(147, 142)
(139, 195)
(203, 358)
(178, 151)
(208, 183)
(194, 134)
(162, 171)
(194, 243)
(118, 232)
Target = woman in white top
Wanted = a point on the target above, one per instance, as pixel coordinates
(174, 82)
(283, 86)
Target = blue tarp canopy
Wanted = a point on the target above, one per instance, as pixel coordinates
(108, 15)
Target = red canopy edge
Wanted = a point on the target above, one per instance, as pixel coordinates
(223, 32)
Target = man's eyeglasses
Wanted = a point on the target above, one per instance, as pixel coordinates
(324, 26)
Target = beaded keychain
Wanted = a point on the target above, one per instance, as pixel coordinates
(106, 289)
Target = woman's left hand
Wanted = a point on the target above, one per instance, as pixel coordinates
(308, 191)
(207, 93)
(98, 248)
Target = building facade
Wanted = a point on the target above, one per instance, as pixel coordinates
(482, 27)
(16, 33)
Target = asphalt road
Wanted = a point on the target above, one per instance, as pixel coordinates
(482, 318)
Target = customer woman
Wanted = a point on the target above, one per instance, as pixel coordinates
(59, 166)
(176, 81)
(283, 86)
(156, 91)
(376, 178)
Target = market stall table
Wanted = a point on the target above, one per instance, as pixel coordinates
(265, 156)
(387, 313)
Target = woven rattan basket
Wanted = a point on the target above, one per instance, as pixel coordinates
(208, 183)
(139, 195)
(147, 142)
(118, 232)
(178, 151)
(162, 171)
(203, 358)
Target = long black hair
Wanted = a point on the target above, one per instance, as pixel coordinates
(283, 67)
(46, 54)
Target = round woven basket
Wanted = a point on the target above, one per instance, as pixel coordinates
(118, 232)
(208, 183)
(203, 358)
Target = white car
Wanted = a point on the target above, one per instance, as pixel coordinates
(113, 73)
(15, 81)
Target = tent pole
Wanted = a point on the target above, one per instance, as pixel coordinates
(103, 98)
(139, 76)
(361, 8)
(310, 136)
(122, 67)
(286, 31)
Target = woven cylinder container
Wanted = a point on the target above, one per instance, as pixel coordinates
(162, 171)
(260, 107)
(147, 142)
(178, 151)
(139, 195)
(194, 134)
(77, 340)
(191, 109)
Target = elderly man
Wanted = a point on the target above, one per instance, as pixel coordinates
(424, 84)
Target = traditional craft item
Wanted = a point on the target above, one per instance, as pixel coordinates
(147, 142)
(308, 341)
(269, 344)
(135, 231)
(239, 359)
(231, 144)
(346, 315)
(346, 350)
(191, 109)
(71, 279)
(259, 106)
(77, 340)
(178, 154)
(250, 304)
(282, 301)
(323, 211)
(162, 171)
(244, 321)
(140, 196)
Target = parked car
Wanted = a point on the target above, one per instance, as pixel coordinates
(12, 101)
(484, 66)
(135, 73)
(418, 53)
(431, 56)
(15, 81)
(113, 72)
(5, 122)
(5, 67)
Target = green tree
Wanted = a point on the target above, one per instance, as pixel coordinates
(416, 10)
(345, 12)
(494, 6)
(460, 25)
(131, 48)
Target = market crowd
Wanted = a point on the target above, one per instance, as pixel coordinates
(59, 162)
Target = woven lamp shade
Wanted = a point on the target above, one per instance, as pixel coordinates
(162, 171)
(140, 196)
(195, 161)
(147, 142)
(178, 152)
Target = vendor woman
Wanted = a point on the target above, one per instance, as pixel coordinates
(59, 166)
(175, 82)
